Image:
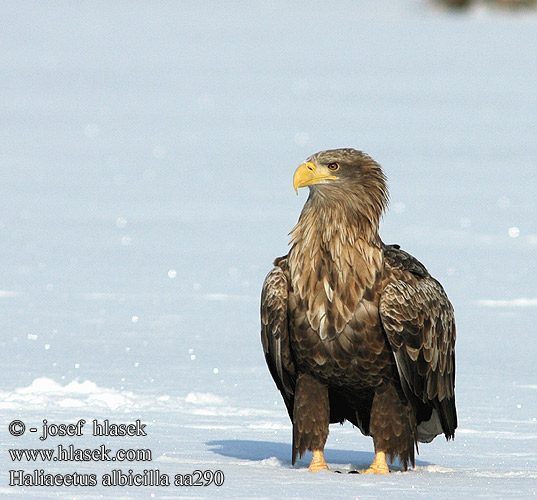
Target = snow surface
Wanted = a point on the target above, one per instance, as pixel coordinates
(147, 150)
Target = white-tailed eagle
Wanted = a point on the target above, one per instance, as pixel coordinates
(354, 329)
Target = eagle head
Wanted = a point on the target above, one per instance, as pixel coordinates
(347, 179)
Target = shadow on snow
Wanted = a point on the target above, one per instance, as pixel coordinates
(262, 450)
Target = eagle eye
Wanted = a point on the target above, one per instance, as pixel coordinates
(332, 166)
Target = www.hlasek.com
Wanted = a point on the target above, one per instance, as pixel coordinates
(71, 453)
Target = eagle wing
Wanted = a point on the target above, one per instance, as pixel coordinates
(275, 332)
(420, 325)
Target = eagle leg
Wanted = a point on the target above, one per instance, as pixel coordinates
(393, 427)
(311, 417)
(379, 465)
(317, 461)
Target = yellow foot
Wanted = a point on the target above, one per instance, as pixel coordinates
(317, 462)
(379, 465)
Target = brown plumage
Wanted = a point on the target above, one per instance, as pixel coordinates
(354, 329)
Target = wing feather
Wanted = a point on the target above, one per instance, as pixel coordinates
(275, 332)
(419, 322)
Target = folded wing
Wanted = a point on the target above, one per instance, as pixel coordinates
(275, 334)
(419, 322)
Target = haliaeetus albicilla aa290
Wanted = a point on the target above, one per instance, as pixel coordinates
(354, 329)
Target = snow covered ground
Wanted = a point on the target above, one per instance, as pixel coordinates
(146, 156)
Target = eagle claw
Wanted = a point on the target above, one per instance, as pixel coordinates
(317, 462)
(379, 465)
(375, 470)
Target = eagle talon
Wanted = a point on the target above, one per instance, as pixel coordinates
(379, 465)
(317, 462)
(375, 470)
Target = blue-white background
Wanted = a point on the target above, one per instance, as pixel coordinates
(146, 157)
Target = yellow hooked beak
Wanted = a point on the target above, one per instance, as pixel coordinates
(308, 173)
